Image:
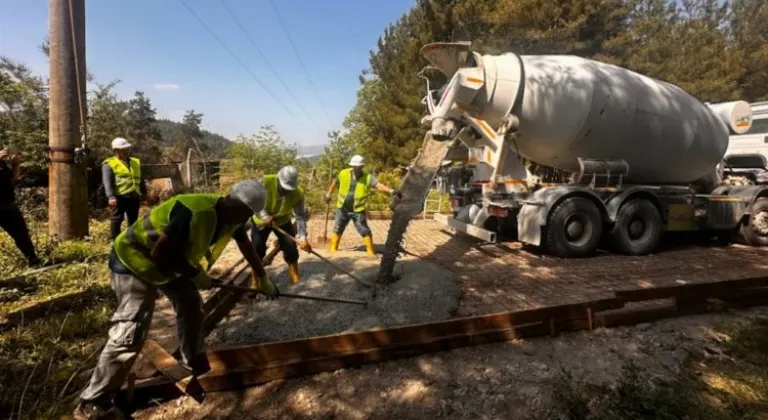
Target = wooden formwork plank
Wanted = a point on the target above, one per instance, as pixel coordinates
(259, 355)
(235, 368)
(171, 369)
(700, 290)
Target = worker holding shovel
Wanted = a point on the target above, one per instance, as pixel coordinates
(285, 197)
(170, 250)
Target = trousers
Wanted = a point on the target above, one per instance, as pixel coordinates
(343, 217)
(12, 221)
(130, 326)
(287, 247)
(127, 207)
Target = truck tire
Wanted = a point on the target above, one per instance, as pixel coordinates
(574, 228)
(755, 231)
(638, 228)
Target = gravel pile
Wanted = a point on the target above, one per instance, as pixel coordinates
(423, 293)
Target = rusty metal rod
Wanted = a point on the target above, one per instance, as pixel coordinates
(313, 252)
(219, 284)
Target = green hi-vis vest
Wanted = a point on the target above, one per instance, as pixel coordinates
(133, 246)
(127, 179)
(362, 189)
(280, 210)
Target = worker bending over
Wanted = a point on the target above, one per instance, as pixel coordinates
(354, 186)
(170, 250)
(123, 185)
(285, 198)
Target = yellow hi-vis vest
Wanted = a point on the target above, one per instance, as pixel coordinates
(127, 179)
(133, 246)
(281, 212)
(362, 189)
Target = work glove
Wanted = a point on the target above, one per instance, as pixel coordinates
(268, 288)
(202, 280)
(304, 245)
(327, 199)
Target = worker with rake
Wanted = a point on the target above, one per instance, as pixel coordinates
(285, 197)
(354, 186)
(170, 250)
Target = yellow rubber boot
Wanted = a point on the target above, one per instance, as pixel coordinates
(335, 242)
(368, 241)
(293, 271)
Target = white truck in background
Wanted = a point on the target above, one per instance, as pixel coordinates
(559, 151)
(746, 159)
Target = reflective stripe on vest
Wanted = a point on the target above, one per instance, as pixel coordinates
(280, 210)
(133, 246)
(362, 189)
(127, 180)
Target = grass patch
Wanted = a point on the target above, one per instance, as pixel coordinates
(38, 360)
(728, 388)
(87, 271)
(44, 360)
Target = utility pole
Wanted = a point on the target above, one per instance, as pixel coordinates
(67, 186)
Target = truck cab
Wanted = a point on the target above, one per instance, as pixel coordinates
(755, 140)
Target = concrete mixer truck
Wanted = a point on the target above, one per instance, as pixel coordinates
(562, 152)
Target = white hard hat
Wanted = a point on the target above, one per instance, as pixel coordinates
(288, 177)
(251, 193)
(120, 143)
(357, 160)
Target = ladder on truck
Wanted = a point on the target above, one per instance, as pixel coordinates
(438, 186)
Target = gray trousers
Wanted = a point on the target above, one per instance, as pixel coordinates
(130, 327)
(343, 217)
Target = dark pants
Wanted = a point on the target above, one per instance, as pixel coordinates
(287, 247)
(343, 217)
(12, 221)
(127, 206)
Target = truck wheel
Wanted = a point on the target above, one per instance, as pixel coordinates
(638, 228)
(574, 228)
(755, 232)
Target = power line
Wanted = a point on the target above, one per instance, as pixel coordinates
(210, 31)
(295, 50)
(258, 50)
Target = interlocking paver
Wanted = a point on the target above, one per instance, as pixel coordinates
(510, 278)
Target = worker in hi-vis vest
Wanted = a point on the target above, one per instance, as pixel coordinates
(123, 185)
(354, 186)
(285, 198)
(170, 250)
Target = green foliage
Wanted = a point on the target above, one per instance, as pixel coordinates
(262, 153)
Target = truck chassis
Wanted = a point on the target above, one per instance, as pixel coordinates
(570, 219)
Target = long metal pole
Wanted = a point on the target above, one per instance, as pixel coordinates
(67, 192)
(223, 285)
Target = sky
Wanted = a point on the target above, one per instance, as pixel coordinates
(160, 48)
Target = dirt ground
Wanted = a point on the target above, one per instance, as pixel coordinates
(512, 380)
(500, 381)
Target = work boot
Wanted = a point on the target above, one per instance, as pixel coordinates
(91, 410)
(293, 271)
(368, 241)
(198, 366)
(335, 242)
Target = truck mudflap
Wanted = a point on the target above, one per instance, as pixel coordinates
(471, 230)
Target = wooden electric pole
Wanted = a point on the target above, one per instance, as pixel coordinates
(67, 186)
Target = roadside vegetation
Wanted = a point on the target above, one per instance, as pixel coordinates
(731, 387)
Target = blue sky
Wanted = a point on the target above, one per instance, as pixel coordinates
(159, 47)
